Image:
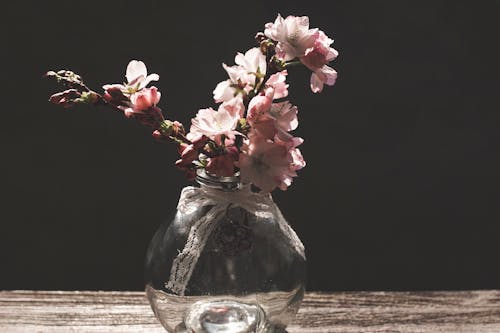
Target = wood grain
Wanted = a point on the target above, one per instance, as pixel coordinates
(360, 312)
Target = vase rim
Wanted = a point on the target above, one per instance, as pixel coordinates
(228, 184)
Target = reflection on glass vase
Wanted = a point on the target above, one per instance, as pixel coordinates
(228, 262)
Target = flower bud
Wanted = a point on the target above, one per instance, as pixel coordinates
(66, 98)
(149, 117)
(115, 96)
(145, 98)
(89, 97)
(166, 128)
(178, 128)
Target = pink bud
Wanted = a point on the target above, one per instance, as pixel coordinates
(145, 98)
(113, 94)
(157, 135)
(65, 98)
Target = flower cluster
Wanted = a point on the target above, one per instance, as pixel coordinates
(310, 46)
(133, 98)
(249, 133)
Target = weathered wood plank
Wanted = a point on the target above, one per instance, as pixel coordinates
(387, 312)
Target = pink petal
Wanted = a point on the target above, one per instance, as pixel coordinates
(330, 74)
(223, 92)
(252, 60)
(316, 83)
(114, 86)
(278, 82)
(129, 112)
(332, 54)
(148, 79)
(135, 69)
(234, 72)
(234, 106)
(136, 82)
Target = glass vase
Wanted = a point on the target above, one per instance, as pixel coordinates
(227, 263)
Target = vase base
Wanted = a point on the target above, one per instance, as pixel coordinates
(223, 316)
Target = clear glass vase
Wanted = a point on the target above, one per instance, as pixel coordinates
(227, 263)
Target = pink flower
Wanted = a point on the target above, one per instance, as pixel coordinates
(137, 75)
(311, 46)
(278, 82)
(137, 78)
(145, 98)
(250, 67)
(285, 115)
(142, 106)
(280, 119)
(316, 59)
(293, 36)
(213, 124)
(320, 53)
(264, 163)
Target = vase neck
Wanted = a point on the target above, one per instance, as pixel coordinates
(225, 184)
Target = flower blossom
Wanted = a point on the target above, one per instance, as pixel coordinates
(316, 59)
(310, 46)
(250, 67)
(278, 82)
(133, 98)
(250, 132)
(137, 78)
(143, 107)
(213, 124)
(144, 99)
(277, 122)
(268, 164)
(292, 34)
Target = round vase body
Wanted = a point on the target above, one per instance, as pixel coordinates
(227, 263)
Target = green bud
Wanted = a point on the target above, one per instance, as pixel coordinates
(89, 97)
(166, 128)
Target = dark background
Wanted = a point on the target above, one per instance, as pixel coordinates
(402, 187)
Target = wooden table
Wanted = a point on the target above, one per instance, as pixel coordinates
(374, 312)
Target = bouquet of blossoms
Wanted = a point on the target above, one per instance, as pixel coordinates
(229, 261)
(249, 132)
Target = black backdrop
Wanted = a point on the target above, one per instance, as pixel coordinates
(402, 185)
